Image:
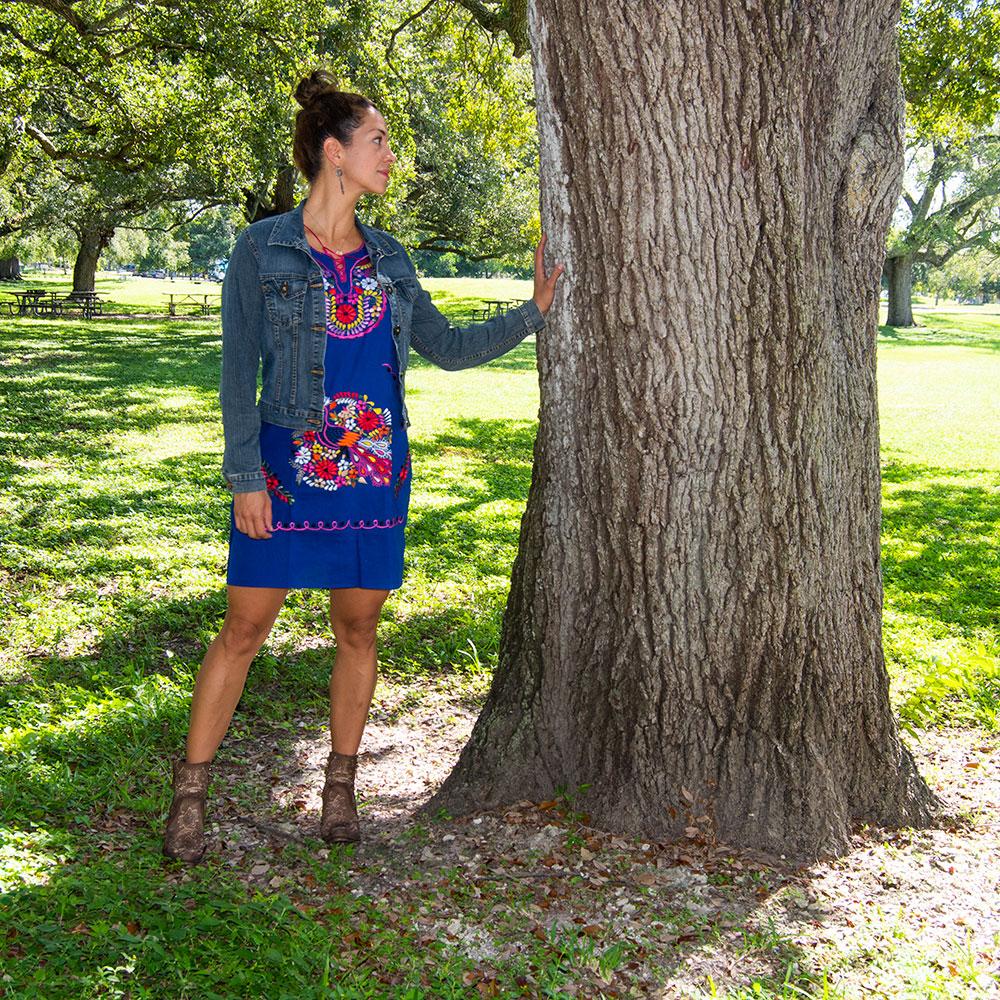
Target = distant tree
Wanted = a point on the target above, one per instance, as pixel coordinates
(474, 190)
(955, 208)
(210, 238)
(973, 274)
(13, 171)
(950, 51)
(127, 246)
(145, 104)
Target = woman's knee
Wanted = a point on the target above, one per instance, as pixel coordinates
(355, 630)
(243, 636)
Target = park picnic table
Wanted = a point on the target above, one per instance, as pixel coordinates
(30, 302)
(90, 302)
(41, 302)
(201, 300)
(494, 307)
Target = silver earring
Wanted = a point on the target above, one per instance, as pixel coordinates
(340, 176)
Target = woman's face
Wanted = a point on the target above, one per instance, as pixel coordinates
(368, 160)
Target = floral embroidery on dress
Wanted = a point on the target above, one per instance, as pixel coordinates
(354, 445)
(403, 473)
(274, 486)
(356, 304)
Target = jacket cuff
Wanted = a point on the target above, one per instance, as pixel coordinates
(249, 483)
(534, 318)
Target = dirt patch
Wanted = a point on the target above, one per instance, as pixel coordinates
(904, 914)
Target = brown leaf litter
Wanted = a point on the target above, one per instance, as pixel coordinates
(903, 913)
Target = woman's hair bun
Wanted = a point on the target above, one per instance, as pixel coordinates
(326, 111)
(319, 83)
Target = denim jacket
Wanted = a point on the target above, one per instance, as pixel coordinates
(274, 320)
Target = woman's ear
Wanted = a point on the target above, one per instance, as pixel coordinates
(332, 150)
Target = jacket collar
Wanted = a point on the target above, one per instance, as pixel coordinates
(289, 231)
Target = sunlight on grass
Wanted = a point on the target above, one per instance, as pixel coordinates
(940, 404)
(27, 857)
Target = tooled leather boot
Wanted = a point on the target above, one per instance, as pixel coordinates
(184, 837)
(339, 822)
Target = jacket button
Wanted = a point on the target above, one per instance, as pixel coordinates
(317, 371)
(314, 422)
(318, 326)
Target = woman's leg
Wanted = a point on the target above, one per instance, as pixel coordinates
(354, 615)
(217, 690)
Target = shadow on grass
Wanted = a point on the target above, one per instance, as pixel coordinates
(944, 330)
(100, 910)
(121, 923)
(939, 545)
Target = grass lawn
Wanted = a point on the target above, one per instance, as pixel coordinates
(940, 425)
(113, 531)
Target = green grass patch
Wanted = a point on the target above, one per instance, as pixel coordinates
(939, 413)
(113, 528)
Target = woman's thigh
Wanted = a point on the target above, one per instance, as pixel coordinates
(355, 611)
(253, 608)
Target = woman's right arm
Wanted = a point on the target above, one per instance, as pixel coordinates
(242, 316)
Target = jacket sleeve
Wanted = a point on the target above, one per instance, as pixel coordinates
(453, 347)
(242, 315)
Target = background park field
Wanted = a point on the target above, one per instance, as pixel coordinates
(113, 529)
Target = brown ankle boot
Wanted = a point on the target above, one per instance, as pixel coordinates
(339, 823)
(184, 838)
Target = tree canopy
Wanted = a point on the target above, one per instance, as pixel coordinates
(138, 107)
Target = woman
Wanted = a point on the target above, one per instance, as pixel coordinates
(320, 466)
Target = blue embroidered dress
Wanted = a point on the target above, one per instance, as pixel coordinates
(340, 493)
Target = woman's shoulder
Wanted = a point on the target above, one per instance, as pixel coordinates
(258, 232)
(256, 238)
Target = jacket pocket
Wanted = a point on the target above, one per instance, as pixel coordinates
(284, 298)
(284, 302)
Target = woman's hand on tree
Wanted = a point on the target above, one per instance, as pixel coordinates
(545, 284)
(252, 513)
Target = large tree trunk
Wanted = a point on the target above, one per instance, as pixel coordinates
(280, 198)
(94, 241)
(696, 601)
(899, 271)
(10, 269)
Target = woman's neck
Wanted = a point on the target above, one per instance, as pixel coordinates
(331, 217)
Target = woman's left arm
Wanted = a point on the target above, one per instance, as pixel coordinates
(452, 347)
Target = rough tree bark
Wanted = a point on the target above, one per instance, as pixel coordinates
(899, 271)
(696, 600)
